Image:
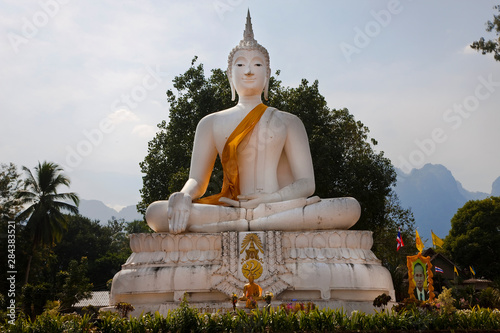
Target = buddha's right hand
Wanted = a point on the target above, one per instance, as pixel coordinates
(179, 208)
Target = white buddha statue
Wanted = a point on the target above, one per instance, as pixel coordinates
(267, 165)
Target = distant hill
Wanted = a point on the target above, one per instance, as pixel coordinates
(495, 188)
(434, 196)
(97, 210)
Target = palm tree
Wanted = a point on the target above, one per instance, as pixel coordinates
(45, 220)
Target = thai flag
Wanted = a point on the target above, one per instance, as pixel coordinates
(438, 269)
(400, 241)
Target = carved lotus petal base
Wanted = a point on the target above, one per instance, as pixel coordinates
(329, 268)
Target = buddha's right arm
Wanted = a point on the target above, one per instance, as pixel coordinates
(192, 188)
(202, 160)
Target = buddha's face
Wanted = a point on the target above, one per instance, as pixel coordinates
(249, 72)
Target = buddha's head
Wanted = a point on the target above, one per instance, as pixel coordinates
(248, 57)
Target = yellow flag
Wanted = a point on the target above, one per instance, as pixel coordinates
(455, 269)
(418, 242)
(436, 240)
(472, 270)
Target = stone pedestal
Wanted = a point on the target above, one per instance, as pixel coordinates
(334, 268)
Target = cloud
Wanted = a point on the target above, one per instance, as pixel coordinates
(467, 50)
(123, 115)
(145, 131)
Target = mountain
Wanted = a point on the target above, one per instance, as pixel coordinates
(97, 210)
(495, 188)
(434, 196)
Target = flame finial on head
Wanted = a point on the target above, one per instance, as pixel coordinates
(248, 33)
(248, 43)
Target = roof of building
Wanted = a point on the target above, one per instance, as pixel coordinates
(433, 254)
(477, 281)
(97, 299)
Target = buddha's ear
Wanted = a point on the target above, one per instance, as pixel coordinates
(266, 90)
(233, 93)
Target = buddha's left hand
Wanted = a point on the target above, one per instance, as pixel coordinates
(252, 200)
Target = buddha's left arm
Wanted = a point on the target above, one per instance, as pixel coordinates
(299, 158)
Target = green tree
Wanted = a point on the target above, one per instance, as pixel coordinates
(137, 227)
(474, 237)
(106, 248)
(34, 298)
(385, 243)
(345, 163)
(75, 285)
(45, 206)
(117, 251)
(490, 46)
(10, 184)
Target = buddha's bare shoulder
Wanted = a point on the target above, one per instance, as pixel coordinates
(288, 118)
(216, 116)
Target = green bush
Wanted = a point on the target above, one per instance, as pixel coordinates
(187, 319)
(34, 298)
(489, 298)
(124, 308)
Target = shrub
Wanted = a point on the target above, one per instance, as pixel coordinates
(91, 311)
(445, 301)
(186, 319)
(414, 305)
(110, 322)
(298, 306)
(489, 298)
(381, 301)
(124, 308)
(34, 298)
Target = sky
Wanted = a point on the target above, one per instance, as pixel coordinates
(83, 82)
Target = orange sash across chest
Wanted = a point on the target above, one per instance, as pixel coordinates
(229, 159)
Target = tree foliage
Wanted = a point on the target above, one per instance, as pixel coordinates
(10, 183)
(34, 298)
(45, 205)
(345, 162)
(106, 248)
(385, 244)
(56, 269)
(490, 46)
(474, 237)
(75, 285)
